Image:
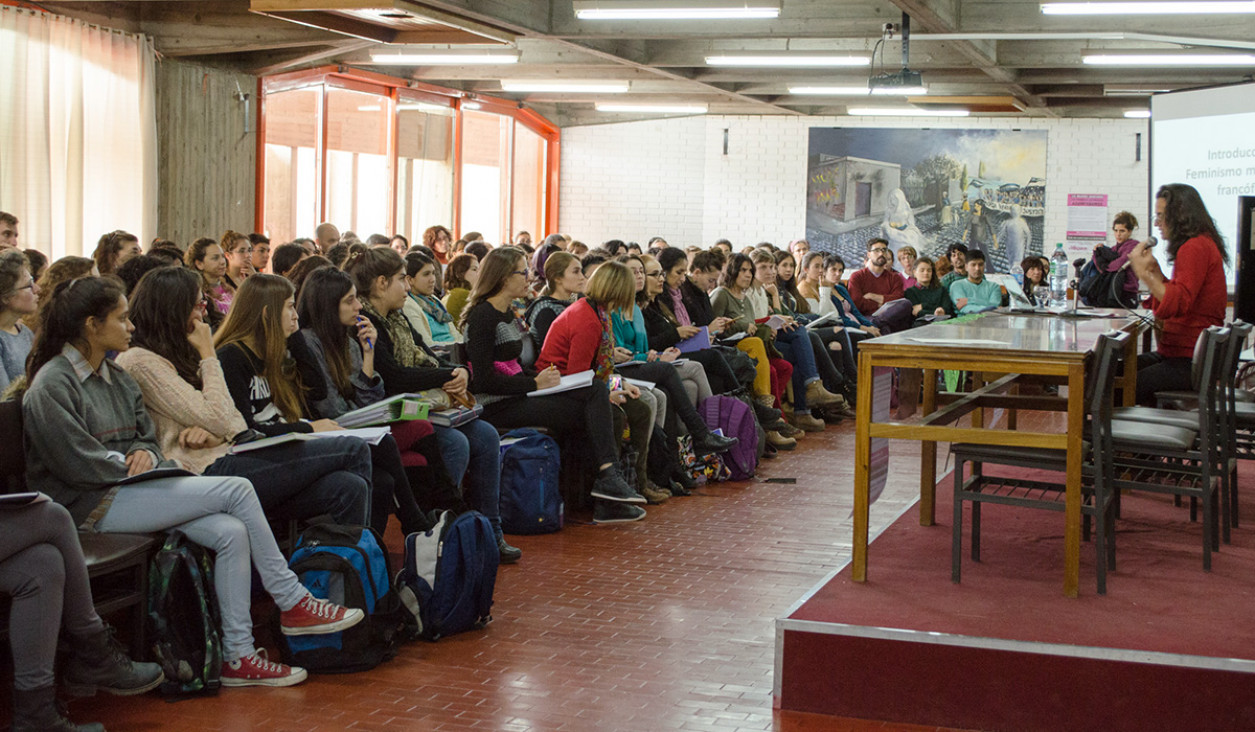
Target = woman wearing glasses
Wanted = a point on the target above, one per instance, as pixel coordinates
(19, 297)
(494, 342)
(1192, 300)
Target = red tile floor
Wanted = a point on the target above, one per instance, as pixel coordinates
(666, 624)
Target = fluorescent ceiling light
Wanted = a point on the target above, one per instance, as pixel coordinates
(798, 60)
(905, 112)
(591, 87)
(831, 91)
(1137, 113)
(446, 58)
(655, 108)
(1146, 8)
(1171, 59)
(676, 9)
(1132, 91)
(856, 91)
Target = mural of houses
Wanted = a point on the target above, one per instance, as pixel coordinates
(848, 188)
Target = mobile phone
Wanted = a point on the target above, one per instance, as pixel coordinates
(616, 383)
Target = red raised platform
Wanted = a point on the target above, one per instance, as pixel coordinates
(1170, 647)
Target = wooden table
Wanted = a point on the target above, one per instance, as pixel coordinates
(1039, 345)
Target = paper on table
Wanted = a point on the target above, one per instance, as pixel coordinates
(959, 342)
(577, 380)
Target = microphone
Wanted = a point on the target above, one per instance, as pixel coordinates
(1079, 264)
(1151, 242)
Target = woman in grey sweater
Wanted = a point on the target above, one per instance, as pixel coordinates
(92, 447)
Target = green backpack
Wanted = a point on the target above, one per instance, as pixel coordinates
(183, 617)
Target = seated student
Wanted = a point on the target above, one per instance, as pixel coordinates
(87, 430)
(172, 359)
(957, 254)
(263, 376)
(205, 258)
(460, 276)
(975, 294)
(426, 314)
(582, 338)
(238, 250)
(331, 313)
(877, 290)
(494, 340)
(907, 257)
(19, 298)
(285, 256)
(1035, 286)
(114, 249)
(564, 281)
(667, 321)
(808, 355)
(928, 297)
(834, 338)
(632, 340)
(43, 571)
(770, 374)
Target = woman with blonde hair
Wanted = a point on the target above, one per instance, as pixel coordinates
(580, 336)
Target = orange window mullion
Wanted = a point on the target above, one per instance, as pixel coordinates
(259, 183)
(457, 174)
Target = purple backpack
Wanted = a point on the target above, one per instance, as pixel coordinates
(735, 419)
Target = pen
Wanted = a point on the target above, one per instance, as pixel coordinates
(368, 341)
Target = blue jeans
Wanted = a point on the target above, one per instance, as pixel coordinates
(301, 480)
(795, 346)
(475, 447)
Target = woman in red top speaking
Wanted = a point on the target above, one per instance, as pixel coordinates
(1194, 299)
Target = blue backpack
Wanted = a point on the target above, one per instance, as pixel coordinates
(346, 565)
(735, 419)
(531, 498)
(451, 571)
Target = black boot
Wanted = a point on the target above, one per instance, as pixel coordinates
(509, 554)
(98, 662)
(36, 711)
(708, 442)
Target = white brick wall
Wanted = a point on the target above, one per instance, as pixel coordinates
(670, 178)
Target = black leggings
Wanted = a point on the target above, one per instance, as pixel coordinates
(584, 410)
(720, 375)
(665, 377)
(1156, 373)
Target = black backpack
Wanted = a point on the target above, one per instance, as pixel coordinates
(1099, 288)
(346, 565)
(183, 617)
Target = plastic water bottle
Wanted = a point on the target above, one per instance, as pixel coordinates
(1059, 277)
(1018, 273)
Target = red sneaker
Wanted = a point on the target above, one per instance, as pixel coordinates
(312, 616)
(257, 670)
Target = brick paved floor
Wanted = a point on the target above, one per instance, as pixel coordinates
(667, 624)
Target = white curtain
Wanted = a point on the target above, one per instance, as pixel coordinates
(78, 131)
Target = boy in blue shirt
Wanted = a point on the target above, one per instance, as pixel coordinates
(975, 294)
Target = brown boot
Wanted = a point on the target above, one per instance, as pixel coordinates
(653, 494)
(818, 396)
(805, 421)
(780, 442)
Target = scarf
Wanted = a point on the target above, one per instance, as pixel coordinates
(677, 307)
(406, 352)
(434, 308)
(603, 362)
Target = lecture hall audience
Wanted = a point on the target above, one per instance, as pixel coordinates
(186, 352)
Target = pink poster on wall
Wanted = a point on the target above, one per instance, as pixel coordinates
(1087, 215)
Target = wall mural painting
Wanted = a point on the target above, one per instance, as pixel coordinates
(927, 189)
